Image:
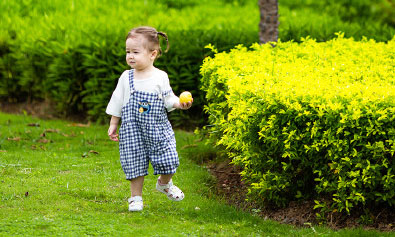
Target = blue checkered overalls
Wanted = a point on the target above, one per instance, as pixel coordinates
(146, 135)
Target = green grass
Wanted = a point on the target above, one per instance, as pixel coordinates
(71, 183)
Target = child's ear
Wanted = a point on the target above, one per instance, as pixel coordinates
(154, 54)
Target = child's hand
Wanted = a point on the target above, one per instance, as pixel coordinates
(183, 106)
(112, 133)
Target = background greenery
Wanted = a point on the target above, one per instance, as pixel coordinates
(71, 53)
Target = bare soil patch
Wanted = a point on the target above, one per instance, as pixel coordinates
(38, 109)
(230, 185)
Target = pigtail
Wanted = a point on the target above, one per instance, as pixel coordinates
(152, 37)
(166, 38)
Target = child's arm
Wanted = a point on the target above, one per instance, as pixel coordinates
(112, 130)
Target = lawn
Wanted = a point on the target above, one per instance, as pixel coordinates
(64, 178)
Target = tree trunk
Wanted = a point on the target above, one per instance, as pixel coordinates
(268, 25)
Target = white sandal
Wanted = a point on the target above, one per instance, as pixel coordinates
(173, 193)
(135, 203)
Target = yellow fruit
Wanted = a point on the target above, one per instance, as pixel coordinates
(185, 97)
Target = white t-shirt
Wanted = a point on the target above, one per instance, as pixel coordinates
(158, 83)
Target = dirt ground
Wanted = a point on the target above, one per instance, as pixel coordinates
(232, 188)
(39, 109)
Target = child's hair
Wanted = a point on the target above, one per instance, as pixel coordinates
(152, 37)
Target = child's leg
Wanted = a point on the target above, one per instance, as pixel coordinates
(136, 186)
(165, 178)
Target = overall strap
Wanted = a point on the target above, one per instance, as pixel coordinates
(131, 83)
(166, 93)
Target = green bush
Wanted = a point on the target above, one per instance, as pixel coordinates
(310, 120)
(381, 11)
(71, 52)
(77, 65)
(298, 23)
(9, 73)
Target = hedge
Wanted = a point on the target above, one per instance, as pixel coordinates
(309, 120)
(349, 10)
(71, 52)
(77, 66)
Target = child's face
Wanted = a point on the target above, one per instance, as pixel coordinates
(138, 56)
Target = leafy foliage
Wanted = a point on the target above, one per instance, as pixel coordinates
(77, 65)
(308, 120)
(71, 52)
(350, 10)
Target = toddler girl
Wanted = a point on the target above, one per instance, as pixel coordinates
(141, 98)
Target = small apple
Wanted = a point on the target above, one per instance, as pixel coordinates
(185, 97)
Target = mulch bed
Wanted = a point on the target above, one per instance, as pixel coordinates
(301, 213)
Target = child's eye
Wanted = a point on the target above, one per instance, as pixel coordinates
(135, 52)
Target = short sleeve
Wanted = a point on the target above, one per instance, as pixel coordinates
(169, 97)
(115, 105)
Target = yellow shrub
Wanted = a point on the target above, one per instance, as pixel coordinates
(309, 119)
